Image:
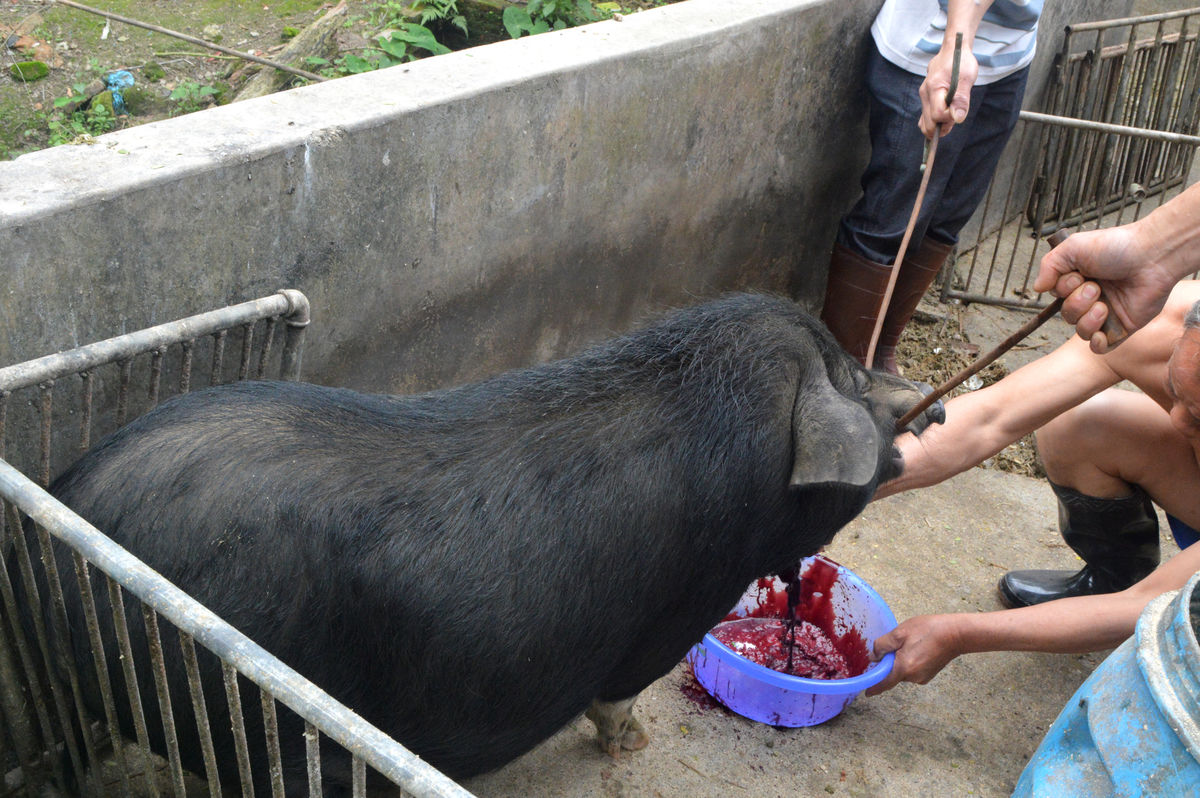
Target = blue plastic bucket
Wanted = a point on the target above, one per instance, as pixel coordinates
(1133, 728)
(780, 699)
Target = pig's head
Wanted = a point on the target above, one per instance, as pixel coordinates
(844, 420)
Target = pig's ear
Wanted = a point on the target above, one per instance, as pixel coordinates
(833, 438)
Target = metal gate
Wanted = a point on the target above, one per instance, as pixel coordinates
(1117, 139)
(93, 390)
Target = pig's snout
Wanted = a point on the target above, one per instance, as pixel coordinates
(896, 397)
(934, 414)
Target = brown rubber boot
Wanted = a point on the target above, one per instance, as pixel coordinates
(919, 270)
(853, 293)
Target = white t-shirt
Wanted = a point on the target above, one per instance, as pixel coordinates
(909, 33)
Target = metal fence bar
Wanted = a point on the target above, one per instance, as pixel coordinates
(383, 754)
(166, 712)
(1107, 127)
(287, 312)
(101, 662)
(1105, 24)
(233, 696)
(11, 691)
(312, 751)
(58, 648)
(290, 304)
(200, 711)
(116, 602)
(979, 284)
(271, 733)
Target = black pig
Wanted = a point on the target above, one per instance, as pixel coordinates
(470, 569)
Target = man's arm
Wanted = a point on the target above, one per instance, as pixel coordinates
(981, 423)
(926, 643)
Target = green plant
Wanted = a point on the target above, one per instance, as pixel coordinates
(76, 97)
(442, 11)
(78, 125)
(190, 96)
(539, 16)
(427, 13)
(396, 46)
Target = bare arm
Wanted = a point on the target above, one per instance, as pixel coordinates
(926, 643)
(981, 423)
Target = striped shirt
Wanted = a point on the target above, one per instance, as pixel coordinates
(909, 33)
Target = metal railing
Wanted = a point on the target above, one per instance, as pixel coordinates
(53, 737)
(1138, 72)
(998, 264)
(1118, 139)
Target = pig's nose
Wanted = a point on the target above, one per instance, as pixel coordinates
(934, 414)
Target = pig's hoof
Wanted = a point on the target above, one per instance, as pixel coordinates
(616, 727)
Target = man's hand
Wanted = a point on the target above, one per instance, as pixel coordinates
(923, 645)
(934, 111)
(1114, 261)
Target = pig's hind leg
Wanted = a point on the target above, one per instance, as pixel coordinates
(616, 727)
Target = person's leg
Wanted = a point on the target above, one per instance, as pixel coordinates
(965, 162)
(995, 109)
(874, 227)
(1106, 459)
(869, 235)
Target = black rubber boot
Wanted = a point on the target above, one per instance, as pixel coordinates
(1116, 538)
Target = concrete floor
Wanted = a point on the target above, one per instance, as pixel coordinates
(969, 732)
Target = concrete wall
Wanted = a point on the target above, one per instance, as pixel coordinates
(471, 212)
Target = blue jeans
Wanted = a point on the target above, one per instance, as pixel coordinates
(962, 169)
(1184, 535)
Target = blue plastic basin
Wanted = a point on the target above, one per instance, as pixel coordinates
(779, 699)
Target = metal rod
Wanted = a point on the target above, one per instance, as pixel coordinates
(218, 358)
(192, 39)
(265, 355)
(200, 712)
(156, 362)
(85, 416)
(166, 713)
(100, 660)
(312, 747)
(121, 626)
(61, 630)
(1117, 23)
(27, 662)
(47, 415)
(271, 738)
(185, 366)
(358, 779)
(247, 346)
(125, 367)
(50, 367)
(1105, 127)
(985, 360)
(237, 724)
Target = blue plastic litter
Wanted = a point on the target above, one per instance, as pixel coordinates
(1133, 728)
(116, 82)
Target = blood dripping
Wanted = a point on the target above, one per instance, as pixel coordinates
(792, 631)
